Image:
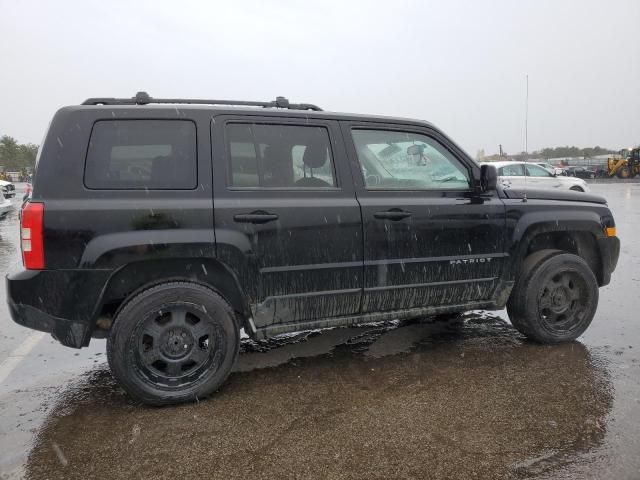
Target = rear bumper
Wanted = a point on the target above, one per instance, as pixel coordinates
(609, 248)
(60, 302)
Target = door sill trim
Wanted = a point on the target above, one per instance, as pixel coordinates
(269, 331)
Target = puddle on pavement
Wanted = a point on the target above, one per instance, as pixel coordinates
(397, 399)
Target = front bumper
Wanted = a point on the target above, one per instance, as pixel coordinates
(609, 248)
(61, 302)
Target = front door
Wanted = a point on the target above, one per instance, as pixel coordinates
(430, 239)
(286, 217)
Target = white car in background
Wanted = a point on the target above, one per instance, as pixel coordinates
(530, 175)
(551, 168)
(7, 192)
(7, 189)
(5, 206)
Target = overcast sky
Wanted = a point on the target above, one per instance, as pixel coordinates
(458, 64)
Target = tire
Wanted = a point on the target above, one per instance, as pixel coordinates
(576, 189)
(172, 343)
(555, 297)
(624, 172)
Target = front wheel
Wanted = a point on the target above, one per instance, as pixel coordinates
(575, 188)
(172, 343)
(555, 297)
(624, 172)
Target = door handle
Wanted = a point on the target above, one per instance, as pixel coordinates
(393, 214)
(255, 217)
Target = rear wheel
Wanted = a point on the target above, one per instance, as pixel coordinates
(555, 297)
(575, 188)
(173, 343)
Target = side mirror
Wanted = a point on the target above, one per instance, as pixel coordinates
(488, 178)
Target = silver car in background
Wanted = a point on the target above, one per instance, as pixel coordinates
(530, 175)
(7, 192)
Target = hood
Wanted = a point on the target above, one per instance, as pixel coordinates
(4, 183)
(555, 194)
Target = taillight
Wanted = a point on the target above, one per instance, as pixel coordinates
(31, 233)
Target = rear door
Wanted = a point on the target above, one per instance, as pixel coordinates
(429, 239)
(538, 177)
(512, 175)
(286, 217)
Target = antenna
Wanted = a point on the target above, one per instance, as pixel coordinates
(526, 119)
(526, 137)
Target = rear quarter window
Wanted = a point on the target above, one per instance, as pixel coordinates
(142, 154)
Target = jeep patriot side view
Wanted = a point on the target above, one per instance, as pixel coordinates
(167, 225)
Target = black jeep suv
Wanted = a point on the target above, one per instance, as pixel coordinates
(167, 225)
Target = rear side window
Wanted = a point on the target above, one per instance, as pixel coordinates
(512, 170)
(142, 154)
(279, 156)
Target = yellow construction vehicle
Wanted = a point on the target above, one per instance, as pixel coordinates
(626, 164)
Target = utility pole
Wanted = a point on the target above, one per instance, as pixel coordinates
(501, 154)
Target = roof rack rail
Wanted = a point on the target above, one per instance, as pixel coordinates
(143, 98)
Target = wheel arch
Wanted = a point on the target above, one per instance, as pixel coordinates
(578, 237)
(134, 277)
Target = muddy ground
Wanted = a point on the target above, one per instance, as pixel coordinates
(389, 400)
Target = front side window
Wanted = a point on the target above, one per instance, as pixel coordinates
(515, 170)
(536, 171)
(407, 161)
(279, 156)
(142, 154)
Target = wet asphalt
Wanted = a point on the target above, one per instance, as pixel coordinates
(389, 400)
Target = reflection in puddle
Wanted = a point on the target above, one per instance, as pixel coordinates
(397, 399)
